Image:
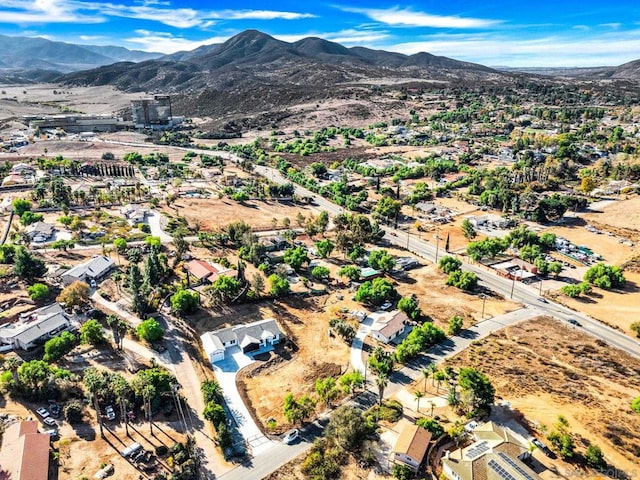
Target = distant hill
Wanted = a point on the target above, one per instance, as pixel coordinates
(36, 59)
(254, 72)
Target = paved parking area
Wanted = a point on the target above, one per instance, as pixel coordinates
(226, 371)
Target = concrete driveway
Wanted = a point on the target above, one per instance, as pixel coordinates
(358, 342)
(226, 371)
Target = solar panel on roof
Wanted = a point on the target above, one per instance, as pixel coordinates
(499, 469)
(515, 466)
(478, 450)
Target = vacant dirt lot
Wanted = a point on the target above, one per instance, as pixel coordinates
(618, 309)
(624, 214)
(441, 302)
(214, 214)
(545, 369)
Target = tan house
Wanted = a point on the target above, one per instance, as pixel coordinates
(411, 446)
(25, 452)
(496, 454)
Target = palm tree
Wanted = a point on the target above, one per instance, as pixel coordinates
(432, 405)
(433, 369)
(425, 373)
(94, 382)
(122, 391)
(418, 394)
(439, 377)
(381, 381)
(12, 363)
(148, 392)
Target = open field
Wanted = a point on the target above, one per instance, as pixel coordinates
(214, 214)
(545, 369)
(440, 302)
(623, 215)
(39, 99)
(618, 309)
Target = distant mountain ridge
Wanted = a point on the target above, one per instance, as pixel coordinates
(36, 59)
(255, 58)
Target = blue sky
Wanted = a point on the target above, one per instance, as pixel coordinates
(558, 33)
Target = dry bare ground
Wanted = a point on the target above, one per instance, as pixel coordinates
(545, 369)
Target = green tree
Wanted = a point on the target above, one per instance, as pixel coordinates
(326, 390)
(449, 264)
(605, 276)
(138, 300)
(38, 291)
(382, 380)
(211, 391)
(467, 229)
(561, 439)
(279, 285)
(635, 405)
(402, 472)
(58, 346)
(381, 362)
(26, 266)
(381, 260)
(351, 381)
(185, 302)
(595, 457)
(27, 218)
(409, 305)
(555, 268)
(455, 324)
(477, 386)
(324, 247)
(320, 272)
(375, 292)
(388, 208)
(431, 425)
(463, 280)
(73, 411)
(348, 428)
(298, 410)
(296, 257)
(635, 327)
(20, 205)
(225, 288)
(91, 332)
(150, 330)
(351, 272)
(120, 244)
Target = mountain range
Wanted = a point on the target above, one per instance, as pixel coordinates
(253, 72)
(37, 59)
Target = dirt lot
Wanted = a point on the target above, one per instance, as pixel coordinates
(618, 309)
(545, 369)
(441, 302)
(624, 214)
(214, 214)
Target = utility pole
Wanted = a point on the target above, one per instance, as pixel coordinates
(484, 299)
(540, 292)
(437, 244)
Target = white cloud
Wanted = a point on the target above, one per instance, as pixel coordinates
(553, 51)
(76, 11)
(349, 37)
(613, 25)
(409, 18)
(167, 43)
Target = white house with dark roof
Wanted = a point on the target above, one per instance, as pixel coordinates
(252, 338)
(35, 327)
(94, 269)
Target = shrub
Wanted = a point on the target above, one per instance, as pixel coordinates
(431, 425)
(38, 291)
(150, 330)
(73, 411)
(595, 457)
